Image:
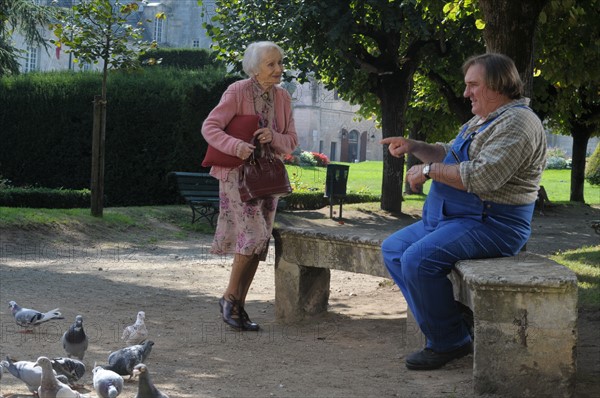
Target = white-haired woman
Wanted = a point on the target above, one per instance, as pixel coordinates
(244, 228)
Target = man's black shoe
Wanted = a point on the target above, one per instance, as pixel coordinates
(427, 359)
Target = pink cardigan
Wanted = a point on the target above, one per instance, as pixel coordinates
(238, 100)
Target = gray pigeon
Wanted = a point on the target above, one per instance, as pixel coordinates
(72, 369)
(51, 387)
(28, 318)
(107, 383)
(27, 372)
(146, 389)
(74, 340)
(124, 360)
(136, 333)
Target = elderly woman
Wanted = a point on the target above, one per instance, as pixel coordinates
(244, 228)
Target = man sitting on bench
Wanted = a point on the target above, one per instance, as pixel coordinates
(484, 187)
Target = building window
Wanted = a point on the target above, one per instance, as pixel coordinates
(32, 59)
(196, 43)
(158, 30)
(314, 88)
(332, 151)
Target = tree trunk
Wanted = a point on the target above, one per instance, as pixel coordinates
(509, 29)
(394, 92)
(581, 134)
(98, 140)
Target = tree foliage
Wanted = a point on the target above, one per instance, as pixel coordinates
(101, 30)
(568, 77)
(367, 50)
(27, 18)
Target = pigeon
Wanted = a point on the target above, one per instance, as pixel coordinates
(29, 318)
(72, 369)
(74, 340)
(124, 360)
(27, 372)
(136, 333)
(107, 383)
(146, 389)
(51, 387)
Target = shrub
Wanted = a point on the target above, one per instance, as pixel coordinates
(316, 200)
(305, 158)
(321, 159)
(556, 158)
(592, 170)
(45, 198)
(291, 159)
(555, 162)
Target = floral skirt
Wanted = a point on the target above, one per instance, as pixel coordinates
(243, 227)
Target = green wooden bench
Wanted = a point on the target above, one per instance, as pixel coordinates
(201, 192)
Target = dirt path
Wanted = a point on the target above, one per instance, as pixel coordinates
(355, 350)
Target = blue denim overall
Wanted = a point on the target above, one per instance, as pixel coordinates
(456, 225)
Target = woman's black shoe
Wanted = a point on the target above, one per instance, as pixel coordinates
(230, 313)
(247, 324)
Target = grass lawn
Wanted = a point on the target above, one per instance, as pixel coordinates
(366, 177)
(585, 262)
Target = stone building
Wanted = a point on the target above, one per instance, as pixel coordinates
(324, 123)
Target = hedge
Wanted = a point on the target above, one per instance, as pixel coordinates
(153, 126)
(45, 198)
(69, 198)
(182, 58)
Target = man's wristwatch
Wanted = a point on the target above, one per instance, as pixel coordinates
(426, 170)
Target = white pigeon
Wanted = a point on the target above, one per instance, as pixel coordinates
(28, 318)
(51, 387)
(27, 372)
(146, 389)
(136, 333)
(74, 340)
(107, 383)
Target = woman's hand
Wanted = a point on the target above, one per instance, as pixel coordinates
(244, 150)
(264, 135)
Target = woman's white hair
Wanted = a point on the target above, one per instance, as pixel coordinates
(254, 53)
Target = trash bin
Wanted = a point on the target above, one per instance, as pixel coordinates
(335, 185)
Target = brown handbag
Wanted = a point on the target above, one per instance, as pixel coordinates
(263, 174)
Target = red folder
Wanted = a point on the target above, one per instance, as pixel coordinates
(242, 127)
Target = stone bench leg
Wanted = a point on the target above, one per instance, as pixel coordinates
(525, 342)
(525, 313)
(299, 291)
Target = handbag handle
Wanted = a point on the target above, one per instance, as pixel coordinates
(260, 151)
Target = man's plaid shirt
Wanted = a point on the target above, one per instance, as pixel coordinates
(508, 157)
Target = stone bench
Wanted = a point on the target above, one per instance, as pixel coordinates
(525, 307)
